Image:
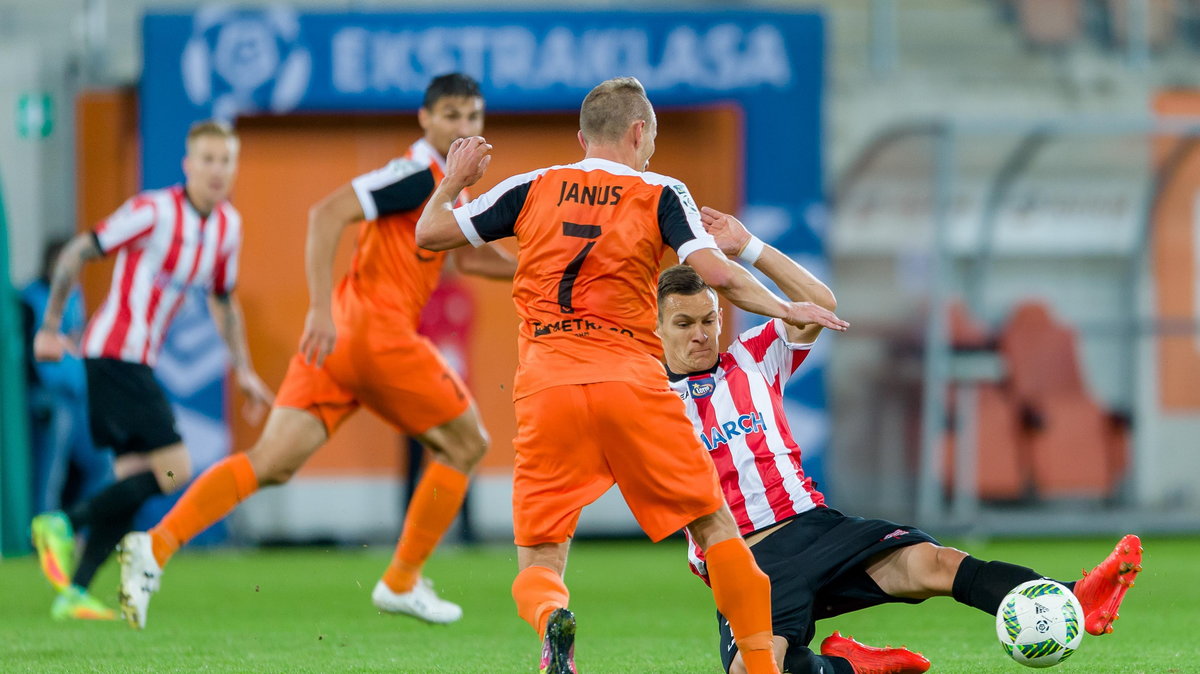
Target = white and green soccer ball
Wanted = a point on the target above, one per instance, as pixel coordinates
(1040, 623)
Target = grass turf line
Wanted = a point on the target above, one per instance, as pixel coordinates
(639, 610)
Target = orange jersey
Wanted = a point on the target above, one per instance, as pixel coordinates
(389, 274)
(590, 237)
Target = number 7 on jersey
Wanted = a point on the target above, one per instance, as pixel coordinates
(567, 284)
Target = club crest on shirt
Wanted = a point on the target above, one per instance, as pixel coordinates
(702, 388)
(685, 198)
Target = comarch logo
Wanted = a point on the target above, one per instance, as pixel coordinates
(242, 60)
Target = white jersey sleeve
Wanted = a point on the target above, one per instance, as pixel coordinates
(766, 348)
(132, 222)
(402, 185)
(679, 218)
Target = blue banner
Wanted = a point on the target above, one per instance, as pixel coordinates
(227, 62)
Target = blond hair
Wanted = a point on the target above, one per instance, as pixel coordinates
(610, 108)
(211, 127)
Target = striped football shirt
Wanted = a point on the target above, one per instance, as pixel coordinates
(737, 410)
(164, 248)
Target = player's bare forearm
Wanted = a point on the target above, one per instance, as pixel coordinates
(78, 250)
(489, 261)
(319, 249)
(227, 314)
(733, 238)
(739, 285)
(466, 162)
(794, 280)
(735, 283)
(799, 285)
(748, 294)
(437, 228)
(326, 221)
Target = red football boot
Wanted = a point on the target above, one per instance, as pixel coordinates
(1101, 590)
(871, 660)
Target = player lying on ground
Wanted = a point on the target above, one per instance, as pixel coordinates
(168, 242)
(361, 348)
(821, 563)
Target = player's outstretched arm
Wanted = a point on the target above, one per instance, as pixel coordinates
(437, 229)
(326, 221)
(50, 344)
(227, 314)
(733, 281)
(799, 284)
(489, 261)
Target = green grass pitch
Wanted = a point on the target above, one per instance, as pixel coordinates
(639, 610)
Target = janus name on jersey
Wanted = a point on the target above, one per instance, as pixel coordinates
(743, 425)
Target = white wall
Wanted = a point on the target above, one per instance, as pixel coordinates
(36, 174)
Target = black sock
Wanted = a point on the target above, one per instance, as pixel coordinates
(80, 514)
(803, 661)
(984, 584)
(110, 516)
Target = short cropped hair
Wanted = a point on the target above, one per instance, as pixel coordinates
(450, 84)
(680, 280)
(610, 108)
(211, 127)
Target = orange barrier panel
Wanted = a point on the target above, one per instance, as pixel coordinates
(1173, 250)
(106, 164)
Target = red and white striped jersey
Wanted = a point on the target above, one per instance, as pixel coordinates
(737, 409)
(164, 249)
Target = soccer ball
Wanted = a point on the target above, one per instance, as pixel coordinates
(1039, 623)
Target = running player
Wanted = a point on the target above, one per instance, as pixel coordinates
(821, 563)
(360, 348)
(592, 401)
(168, 243)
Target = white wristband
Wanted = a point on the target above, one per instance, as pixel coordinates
(752, 250)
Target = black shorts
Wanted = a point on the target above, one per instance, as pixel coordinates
(815, 563)
(127, 408)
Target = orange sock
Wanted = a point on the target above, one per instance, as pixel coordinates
(743, 595)
(539, 591)
(212, 496)
(434, 506)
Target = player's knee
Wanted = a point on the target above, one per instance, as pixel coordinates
(943, 567)
(716, 527)
(269, 468)
(737, 666)
(274, 474)
(464, 452)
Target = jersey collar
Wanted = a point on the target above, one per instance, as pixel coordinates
(422, 150)
(675, 376)
(606, 165)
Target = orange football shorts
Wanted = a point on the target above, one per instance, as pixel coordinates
(574, 441)
(405, 381)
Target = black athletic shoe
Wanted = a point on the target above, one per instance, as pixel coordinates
(558, 649)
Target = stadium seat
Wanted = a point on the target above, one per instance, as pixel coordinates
(1076, 448)
(1050, 23)
(1003, 473)
(1160, 22)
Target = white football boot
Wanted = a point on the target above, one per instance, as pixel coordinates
(421, 602)
(140, 576)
